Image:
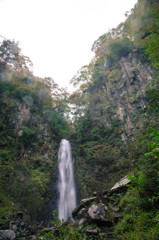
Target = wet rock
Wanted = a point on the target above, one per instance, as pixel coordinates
(7, 235)
(100, 215)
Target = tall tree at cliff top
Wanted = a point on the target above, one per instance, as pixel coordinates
(142, 26)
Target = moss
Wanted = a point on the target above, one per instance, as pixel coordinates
(6, 205)
(40, 179)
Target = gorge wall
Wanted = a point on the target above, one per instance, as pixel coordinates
(115, 115)
(30, 131)
(115, 101)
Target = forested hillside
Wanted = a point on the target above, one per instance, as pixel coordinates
(116, 118)
(32, 124)
(114, 102)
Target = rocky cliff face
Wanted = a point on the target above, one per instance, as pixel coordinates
(115, 115)
(34, 160)
(125, 90)
(44, 144)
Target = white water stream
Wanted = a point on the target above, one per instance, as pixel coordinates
(66, 183)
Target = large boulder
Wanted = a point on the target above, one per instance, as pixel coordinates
(7, 235)
(101, 215)
(83, 205)
(120, 186)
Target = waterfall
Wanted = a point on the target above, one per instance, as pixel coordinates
(66, 183)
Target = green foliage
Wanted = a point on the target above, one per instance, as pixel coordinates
(140, 204)
(152, 47)
(6, 206)
(152, 96)
(57, 123)
(27, 136)
(142, 26)
(11, 57)
(6, 155)
(118, 48)
(63, 231)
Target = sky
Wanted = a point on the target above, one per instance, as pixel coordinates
(57, 35)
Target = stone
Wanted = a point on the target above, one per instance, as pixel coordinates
(97, 212)
(87, 201)
(81, 221)
(123, 182)
(7, 235)
(8, 216)
(13, 226)
(92, 232)
(33, 237)
(70, 221)
(82, 212)
(101, 215)
(77, 209)
(22, 224)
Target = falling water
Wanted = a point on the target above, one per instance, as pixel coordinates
(66, 184)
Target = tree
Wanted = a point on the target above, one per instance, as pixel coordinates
(11, 57)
